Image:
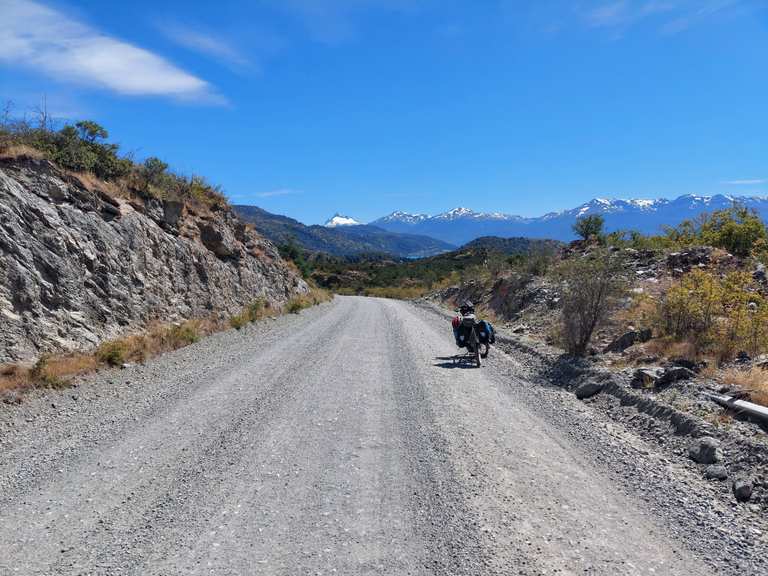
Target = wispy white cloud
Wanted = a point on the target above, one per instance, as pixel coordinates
(672, 16)
(746, 182)
(46, 40)
(610, 14)
(278, 192)
(204, 43)
(333, 21)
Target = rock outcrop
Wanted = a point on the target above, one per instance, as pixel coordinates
(79, 265)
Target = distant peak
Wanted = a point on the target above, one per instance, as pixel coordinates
(340, 220)
(405, 217)
(459, 212)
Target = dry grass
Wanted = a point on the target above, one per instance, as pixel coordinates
(256, 310)
(16, 151)
(48, 372)
(754, 381)
(668, 348)
(397, 292)
(92, 183)
(313, 298)
(58, 371)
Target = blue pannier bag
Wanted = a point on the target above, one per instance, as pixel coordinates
(485, 332)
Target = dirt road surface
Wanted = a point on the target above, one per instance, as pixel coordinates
(338, 441)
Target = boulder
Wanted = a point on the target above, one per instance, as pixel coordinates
(660, 377)
(705, 451)
(674, 374)
(646, 377)
(219, 240)
(683, 262)
(742, 489)
(716, 472)
(628, 339)
(589, 389)
(760, 273)
(690, 364)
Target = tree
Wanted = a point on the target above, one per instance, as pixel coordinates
(90, 131)
(71, 152)
(589, 227)
(153, 171)
(592, 285)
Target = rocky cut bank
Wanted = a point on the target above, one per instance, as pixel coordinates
(83, 263)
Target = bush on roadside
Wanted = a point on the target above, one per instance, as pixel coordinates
(251, 313)
(720, 316)
(184, 334)
(592, 286)
(113, 353)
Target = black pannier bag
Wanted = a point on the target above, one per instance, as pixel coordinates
(464, 332)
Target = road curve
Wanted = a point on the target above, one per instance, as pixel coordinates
(334, 442)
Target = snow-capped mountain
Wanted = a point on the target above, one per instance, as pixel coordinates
(404, 217)
(340, 220)
(462, 225)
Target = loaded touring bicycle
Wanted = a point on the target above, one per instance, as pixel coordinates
(473, 335)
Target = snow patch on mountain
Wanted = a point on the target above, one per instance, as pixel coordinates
(341, 220)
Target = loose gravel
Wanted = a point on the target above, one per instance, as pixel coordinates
(344, 441)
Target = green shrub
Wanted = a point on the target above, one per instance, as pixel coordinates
(297, 304)
(83, 148)
(721, 316)
(737, 230)
(239, 321)
(112, 353)
(184, 334)
(255, 309)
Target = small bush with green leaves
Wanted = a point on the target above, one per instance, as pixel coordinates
(83, 147)
(718, 315)
(112, 353)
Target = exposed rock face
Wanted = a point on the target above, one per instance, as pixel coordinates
(78, 266)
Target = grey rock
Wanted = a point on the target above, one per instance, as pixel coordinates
(589, 389)
(674, 374)
(78, 267)
(628, 339)
(697, 257)
(705, 451)
(742, 489)
(660, 377)
(646, 377)
(760, 274)
(716, 472)
(690, 364)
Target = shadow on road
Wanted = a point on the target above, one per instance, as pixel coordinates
(451, 362)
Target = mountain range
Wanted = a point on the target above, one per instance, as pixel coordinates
(462, 225)
(340, 237)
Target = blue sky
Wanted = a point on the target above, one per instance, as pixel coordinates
(308, 107)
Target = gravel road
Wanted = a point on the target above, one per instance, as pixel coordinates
(338, 441)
